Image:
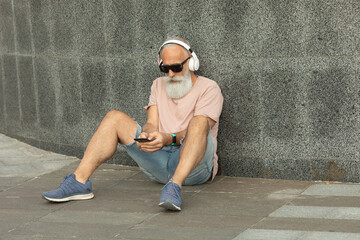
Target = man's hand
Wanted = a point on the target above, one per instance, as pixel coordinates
(157, 141)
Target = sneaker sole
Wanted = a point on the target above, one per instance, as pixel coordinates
(170, 206)
(75, 197)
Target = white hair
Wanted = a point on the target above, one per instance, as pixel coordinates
(187, 53)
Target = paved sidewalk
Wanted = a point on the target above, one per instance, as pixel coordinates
(125, 205)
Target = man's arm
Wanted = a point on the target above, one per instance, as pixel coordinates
(152, 123)
(180, 135)
(151, 131)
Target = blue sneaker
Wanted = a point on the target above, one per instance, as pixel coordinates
(70, 189)
(170, 196)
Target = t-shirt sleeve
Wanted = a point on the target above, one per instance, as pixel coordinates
(153, 95)
(210, 103)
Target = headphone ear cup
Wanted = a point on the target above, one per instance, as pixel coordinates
(194, 63)
(191, 64)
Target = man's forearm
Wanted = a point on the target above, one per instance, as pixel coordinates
(148, 128)
(179, 136)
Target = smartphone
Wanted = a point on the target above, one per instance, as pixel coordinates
(142, 140)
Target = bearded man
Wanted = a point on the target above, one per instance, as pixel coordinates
(176, 146)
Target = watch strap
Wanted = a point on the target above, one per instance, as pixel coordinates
(173, 139)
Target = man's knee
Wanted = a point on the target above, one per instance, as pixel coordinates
(114, 114)
(115, 117)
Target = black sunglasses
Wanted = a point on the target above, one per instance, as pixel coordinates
(178, 67)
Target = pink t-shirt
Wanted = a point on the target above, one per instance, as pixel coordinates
(204, 99)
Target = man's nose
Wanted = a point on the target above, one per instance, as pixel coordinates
(171, 73)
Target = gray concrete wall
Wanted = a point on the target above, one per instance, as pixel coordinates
(289, 72)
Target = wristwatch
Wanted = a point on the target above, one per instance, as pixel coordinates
(174, 139)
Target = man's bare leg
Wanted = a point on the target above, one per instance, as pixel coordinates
(193, 149)
(116, 126)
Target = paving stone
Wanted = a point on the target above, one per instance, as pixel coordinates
(54, 230)
(333, 190)
(126, 193)
(126, 205)
(118, 167)
(94, 217)
(303, 224)
(104, 204)
(137, 185)
(256, 185)
(189, 219)
(232, 204)
(35, 202)
(159, 232)
(12, 218)
(12, 181)
(288, 235)
(325, 200)
(346, 213)
(112, 174)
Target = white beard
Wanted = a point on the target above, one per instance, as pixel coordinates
(179, 88)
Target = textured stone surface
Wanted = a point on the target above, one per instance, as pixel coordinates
(240, 122)
(63, 27)
(284, 121)
(11, 95)
(329, 28)
(332, 108)
(288, 234)
(41, 24)
(22, 26)
(346, 213)
(93, 94)
(22, 160)
(334, 190)
(28, 97)
(356, 6)
(294, 169)
(47, 100)
(149, 14)
(126, 204)
(70, 122)
(2, 98)
(7, 36)
(90, 27)
(288, 70)
(303, 224)
(120, 28)
(281, 28)
(234, 32)
(335, 170)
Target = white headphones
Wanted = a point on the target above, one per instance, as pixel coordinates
(193, 62)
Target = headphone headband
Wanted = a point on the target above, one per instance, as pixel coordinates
(194, 61)
(178, 42)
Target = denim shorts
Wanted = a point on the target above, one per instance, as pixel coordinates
(159, 165)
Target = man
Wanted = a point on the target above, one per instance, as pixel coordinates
(176, 146)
